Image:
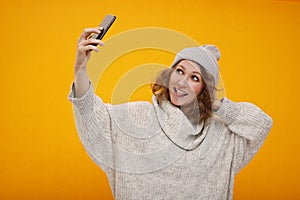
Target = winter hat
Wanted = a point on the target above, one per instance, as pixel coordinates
(206, 56)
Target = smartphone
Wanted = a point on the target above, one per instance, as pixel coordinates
(106, 24)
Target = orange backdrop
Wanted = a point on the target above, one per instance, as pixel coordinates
(41, 155)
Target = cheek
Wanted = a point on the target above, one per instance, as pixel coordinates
(173, 78)
(196, 88)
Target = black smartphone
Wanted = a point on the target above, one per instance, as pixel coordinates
(106, 24)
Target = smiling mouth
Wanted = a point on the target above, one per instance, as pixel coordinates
(180, 93)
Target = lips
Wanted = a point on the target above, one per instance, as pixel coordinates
(179, 92)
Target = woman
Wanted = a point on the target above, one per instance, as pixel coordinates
(185, 145)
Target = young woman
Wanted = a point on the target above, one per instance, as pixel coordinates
(185, 145)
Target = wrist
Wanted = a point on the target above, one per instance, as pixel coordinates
(228, 110)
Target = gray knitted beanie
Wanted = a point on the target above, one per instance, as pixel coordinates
(206, 56)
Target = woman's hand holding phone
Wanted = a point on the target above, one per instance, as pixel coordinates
(85, 45)
(88, 42)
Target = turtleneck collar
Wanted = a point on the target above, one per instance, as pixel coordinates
(178, 127)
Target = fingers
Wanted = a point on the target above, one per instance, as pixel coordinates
(86, 43)
(85, 38)
(89, 45)
(91, 41)
(88, 31)
(88, 48)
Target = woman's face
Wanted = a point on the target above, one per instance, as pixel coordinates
(185, 83)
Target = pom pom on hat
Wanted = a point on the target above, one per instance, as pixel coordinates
(206, 56)
(213, 50)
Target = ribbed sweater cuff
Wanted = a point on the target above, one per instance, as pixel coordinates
(84, 104)
(228, 111)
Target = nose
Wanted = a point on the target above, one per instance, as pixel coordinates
(182, 82)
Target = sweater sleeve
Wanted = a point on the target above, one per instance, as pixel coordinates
(250, 126)
(92, 121)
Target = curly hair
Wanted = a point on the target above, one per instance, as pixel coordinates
(160, 88)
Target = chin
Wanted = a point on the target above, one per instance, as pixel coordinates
(175, 102)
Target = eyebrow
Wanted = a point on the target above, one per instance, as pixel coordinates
(195, 72)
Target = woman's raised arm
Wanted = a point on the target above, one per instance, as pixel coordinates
(84, 48)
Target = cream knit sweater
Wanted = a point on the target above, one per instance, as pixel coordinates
(151, 151)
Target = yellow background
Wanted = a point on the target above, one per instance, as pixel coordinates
(41, 155)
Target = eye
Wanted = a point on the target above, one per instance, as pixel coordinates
(195, 78)
(179, 71)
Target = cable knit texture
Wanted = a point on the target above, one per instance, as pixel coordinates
(151, 151)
